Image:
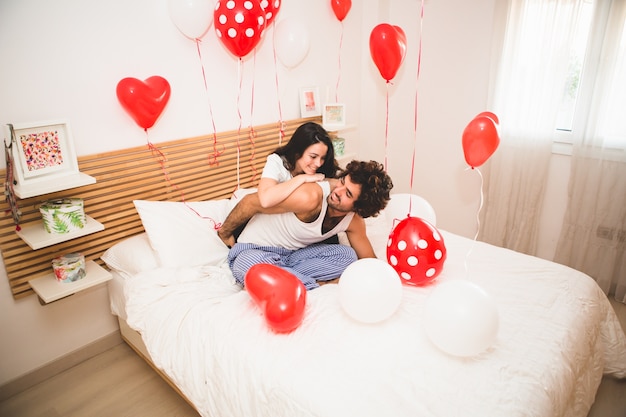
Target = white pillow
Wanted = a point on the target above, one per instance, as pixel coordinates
(184, 234)
(131, 256)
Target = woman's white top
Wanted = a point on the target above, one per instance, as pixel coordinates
(275, 169)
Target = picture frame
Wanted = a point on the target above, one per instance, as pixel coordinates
(42, 151)
(334, 116)
(310, 104)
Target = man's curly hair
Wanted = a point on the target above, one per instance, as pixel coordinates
(375, 186)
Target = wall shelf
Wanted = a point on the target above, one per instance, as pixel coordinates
(36, 236)
(335, 129)
(49, 289)
(52, 185)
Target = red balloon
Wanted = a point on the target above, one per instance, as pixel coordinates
(341, 8)
(388, 48)
(416, 251)
(280, 295)
(490, 115)
(480, 140)
(239, 24)
(271, 8)
(144, 100)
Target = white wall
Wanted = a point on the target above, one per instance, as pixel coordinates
(63, 59)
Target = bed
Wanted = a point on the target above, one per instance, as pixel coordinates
(180, 308)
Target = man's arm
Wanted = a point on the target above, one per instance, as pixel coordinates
(356, 233)
(301, 201)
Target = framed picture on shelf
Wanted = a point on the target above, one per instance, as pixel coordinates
(310, 104)
(42, 151)
(334, 116)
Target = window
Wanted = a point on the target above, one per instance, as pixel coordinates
(594, 92)
(561, 75)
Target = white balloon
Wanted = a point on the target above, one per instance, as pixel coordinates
(460, 318)
(370, 290)
(401, 205)
(291, 41)
(192, 17)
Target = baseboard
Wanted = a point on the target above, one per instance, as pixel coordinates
(59, 365)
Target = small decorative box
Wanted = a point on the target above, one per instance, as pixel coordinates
(339, 146)
(63, 215)
(69, 268)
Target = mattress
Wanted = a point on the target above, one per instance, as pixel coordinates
(557, 336)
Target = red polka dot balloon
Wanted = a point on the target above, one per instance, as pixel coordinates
(416, 251)
(239, 24)
(271, 8)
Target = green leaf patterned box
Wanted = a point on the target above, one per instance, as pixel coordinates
(63, 215)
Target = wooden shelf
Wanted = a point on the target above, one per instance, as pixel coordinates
(36, 236)
(49, 289)
(35, 188)
(335, 128)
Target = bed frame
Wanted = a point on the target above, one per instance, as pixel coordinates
(194, 169)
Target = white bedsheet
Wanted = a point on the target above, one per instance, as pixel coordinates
(557, 335)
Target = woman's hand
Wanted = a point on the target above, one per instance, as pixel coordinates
(312, 177)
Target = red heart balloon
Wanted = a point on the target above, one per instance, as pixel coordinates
(416, 251)
(144, 100)
(341, 8)
(388, 48)
(480, 140)
(239, 25)
(280, 295)
(271, 8)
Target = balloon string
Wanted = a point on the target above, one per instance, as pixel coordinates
(162, 162)
(480, 207)
(339, 72)
(251, 138)
(251, 132)
(416, 107)
(216, 224)
(386, 124)
(162, 159)
(212, 158)
(240, 79)
(281, 124)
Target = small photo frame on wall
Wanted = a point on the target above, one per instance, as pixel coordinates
(334, 116)
(42, 151)
(310, 105)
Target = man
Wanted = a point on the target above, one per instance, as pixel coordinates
(288, 235)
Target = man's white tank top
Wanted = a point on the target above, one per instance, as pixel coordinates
(287, 231)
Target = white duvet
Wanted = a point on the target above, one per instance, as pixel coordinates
(558, 334)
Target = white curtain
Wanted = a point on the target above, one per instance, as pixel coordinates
(593, 236)
(530, 74)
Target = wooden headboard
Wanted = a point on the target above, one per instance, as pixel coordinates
(175, 171)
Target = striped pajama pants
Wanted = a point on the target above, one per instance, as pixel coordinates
(318, 262)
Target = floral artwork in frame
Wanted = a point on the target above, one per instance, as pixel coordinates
(42, 150)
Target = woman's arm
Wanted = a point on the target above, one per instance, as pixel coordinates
(271, 192)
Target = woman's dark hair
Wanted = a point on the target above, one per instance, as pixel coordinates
(306, 135)
(375, 186)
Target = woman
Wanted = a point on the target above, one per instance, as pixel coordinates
(307, 157)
